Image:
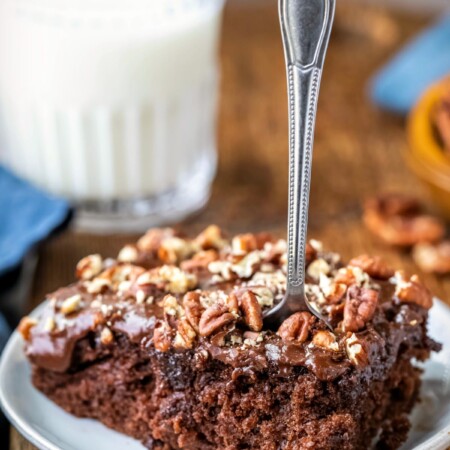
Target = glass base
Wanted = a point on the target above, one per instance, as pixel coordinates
(140, 214)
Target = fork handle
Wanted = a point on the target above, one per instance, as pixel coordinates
(306, 27)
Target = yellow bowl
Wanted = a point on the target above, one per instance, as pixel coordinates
(425, 155)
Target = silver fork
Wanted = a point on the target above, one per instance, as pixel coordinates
(306, 27)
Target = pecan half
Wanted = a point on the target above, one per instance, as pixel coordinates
(162, 336)
(193, 309)
(359, 307)
(414, 291)
(296, 327)
(215, 318)
(252, 310)
(433, 258)
(398, 220)
(373, 266)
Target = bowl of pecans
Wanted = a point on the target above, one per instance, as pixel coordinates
(428, 153)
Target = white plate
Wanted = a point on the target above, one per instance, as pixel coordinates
(50, 428)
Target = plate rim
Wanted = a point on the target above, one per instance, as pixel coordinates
(439, 441)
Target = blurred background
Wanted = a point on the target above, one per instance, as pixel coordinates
(115, 118)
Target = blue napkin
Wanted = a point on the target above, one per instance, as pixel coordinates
(426, 59)
(27, 216)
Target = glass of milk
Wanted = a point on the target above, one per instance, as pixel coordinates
(112, 104)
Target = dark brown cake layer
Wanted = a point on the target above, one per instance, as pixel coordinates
(168, 345)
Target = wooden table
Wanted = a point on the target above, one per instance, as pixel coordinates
(357, 152)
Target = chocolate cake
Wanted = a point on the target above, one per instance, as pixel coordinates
(167, 344)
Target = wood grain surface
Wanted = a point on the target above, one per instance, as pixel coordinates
(357, 147)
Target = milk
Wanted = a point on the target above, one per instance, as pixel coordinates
(104, 100)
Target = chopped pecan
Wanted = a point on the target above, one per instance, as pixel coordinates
(214, 318)
(346, 276)
(251, 310)
(356, 351)
(193, 308)
(151, 241)
(359, 307)
(244, 243)
(119, 273)
(25, 327)
(210, 238)
(433, 258)
(174, 250)
(335, 293)
(296, 327)
(373, 266)
(318, 267)
(71, 304)
(128, 254)
(398, 220)
(89, 267)
(185, 336)
(199, 261)
(325, 339)
(106, 336)
(162, 336)
(413, 291)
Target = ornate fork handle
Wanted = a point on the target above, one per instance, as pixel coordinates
(306, 27)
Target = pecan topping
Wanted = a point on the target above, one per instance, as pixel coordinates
(433, 258)
(296, 327)
(252, 310)
(373, 266)
(325, 339)
(200, 261)
(359, 307)
(106, 336)
(318, 267)
(335, 293)
(215, 318)
(244, 243)
(193, 309)
(210, 238)
(128, 254)
(174, 249)
(355, 351)
(185, 337)
(89, 267)
(71, 304)
(151, 241)
(398, 220)
(25, 327)
(162, 336)
(413, 291)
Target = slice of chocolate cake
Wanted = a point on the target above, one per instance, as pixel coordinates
(167, 344)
